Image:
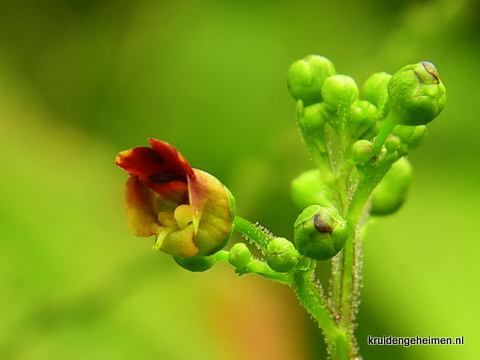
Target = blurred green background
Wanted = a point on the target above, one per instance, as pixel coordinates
(81, 81)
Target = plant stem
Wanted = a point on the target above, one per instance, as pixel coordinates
(260, 236)
(350, 266)
(312, 300)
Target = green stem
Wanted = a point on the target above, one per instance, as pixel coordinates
(261, 268)
(350, 266)
(312, 300)
(387, 127)
(260, 236)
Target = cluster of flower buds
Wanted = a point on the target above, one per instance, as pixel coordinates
(353, 139)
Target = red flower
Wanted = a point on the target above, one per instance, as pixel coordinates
(188, 210)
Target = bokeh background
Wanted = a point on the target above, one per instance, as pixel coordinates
(82, 80)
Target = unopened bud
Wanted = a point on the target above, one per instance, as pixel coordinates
(309, 189)
(411, 136)
(391, 192)
(281, 255)
(362, 151)
(320, 232)
(339, 90)
(375, 91)
(305, 78)
(417, 95)
(239, 255)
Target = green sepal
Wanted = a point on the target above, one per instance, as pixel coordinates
(390, 193)
(199, 263)
(320, 232)
(281, 255)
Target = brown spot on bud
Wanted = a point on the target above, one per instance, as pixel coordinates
(321, 225)
(431, 69)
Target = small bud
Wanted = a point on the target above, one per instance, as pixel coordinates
(362, 151)
(308, 189)
(417, 95)
(393, 143)
(320, 232)
(197, 263)
(411, 136)
(239, 255)
(375, 91)
(391, 192)
(305, 78)
(311, 124)
(281, 255)
(339, 90)
(363, 116)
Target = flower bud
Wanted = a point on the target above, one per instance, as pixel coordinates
(281, 255)
(309, 189)
(311, 124)
(305, 78)
(320, 232)
(411, 136)
(189, 211)
(363, 116)
(239, 255)
(417, 95)
(362, 151)
(393, 143)
(391, 192)
(375, 91)
(339, 90)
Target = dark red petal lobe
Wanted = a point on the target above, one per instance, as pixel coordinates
(161, 167)
(174, 161)
(140, 161)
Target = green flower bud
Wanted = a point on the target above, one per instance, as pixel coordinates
(239, 255)
(308, 189)
(339, 90)
(281, 255)
(305, 78)
(311, 124)
(417, 95)
(393, 143)
(320, 232)
(391, 192)
(363, 116)
(411, 136)
(375, 91)
(362, 151)
(197, 263)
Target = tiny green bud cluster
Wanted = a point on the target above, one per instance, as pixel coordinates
(354, 141)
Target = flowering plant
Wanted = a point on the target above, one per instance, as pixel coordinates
(359, 148)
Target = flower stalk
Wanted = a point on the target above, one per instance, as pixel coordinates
(359, 147)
